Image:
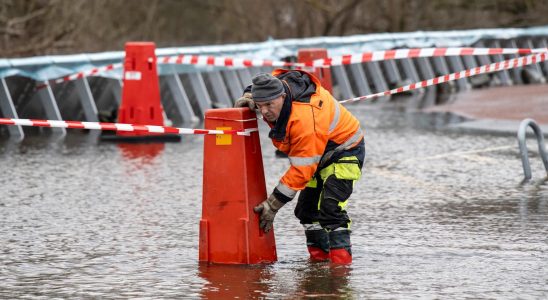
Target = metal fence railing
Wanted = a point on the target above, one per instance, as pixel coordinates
(187, 91)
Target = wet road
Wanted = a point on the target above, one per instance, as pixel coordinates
(436, 215)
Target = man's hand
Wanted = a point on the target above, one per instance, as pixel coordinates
(245, 101)
(268, 210)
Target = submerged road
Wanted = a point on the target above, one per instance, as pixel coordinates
(436, 214)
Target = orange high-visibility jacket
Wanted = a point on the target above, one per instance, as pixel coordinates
(310, 126)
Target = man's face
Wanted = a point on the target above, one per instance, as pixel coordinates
(271, 109)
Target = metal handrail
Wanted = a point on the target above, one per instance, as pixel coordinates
(523, 147)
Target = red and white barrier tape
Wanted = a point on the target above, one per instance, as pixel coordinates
(414, 53)
(344, 59)
(494, 67)
(90, 72)
(120, 127)
(199, 60)
(203, 60)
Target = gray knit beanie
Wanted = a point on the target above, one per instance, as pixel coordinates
(266, 87)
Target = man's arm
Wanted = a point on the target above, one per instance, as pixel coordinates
(307, 146)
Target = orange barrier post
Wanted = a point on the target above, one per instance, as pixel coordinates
(141, 91)
(233, 184)
(323, 73)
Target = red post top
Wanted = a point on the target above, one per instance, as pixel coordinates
(323, 73)
(141, 91)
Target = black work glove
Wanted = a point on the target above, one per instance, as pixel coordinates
(268, 210)
(245, 101)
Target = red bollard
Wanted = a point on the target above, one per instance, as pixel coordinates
(141, 91)
(322, 73)
(233, 184)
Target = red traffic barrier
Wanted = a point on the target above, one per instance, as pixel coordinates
(322, 73)
(141, 91)
(233, 184)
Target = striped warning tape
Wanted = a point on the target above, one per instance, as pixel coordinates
(494, 67)
(416, 52)
(345, 59)
(82, 74)
(120, 127)
(203, 60)
(199, 60)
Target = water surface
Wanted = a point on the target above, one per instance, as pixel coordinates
(435, 215)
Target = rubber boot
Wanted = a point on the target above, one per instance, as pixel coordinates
(317, 242)
(340, 251)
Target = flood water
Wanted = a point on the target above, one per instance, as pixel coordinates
(437, 214)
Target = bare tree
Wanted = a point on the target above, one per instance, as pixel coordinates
(37, 27)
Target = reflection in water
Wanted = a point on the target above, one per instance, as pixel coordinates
(312, 280)
(234, 281)
(323, 280)
(532, 200)
(145, 152)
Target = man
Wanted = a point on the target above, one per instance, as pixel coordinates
(325, 146)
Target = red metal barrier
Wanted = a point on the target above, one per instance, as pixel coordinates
(233, 184)
(141, 91)
(322, 73)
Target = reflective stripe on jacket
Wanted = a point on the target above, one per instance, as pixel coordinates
(310, 126)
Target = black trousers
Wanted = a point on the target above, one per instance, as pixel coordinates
(321, 203)
(324, 203)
